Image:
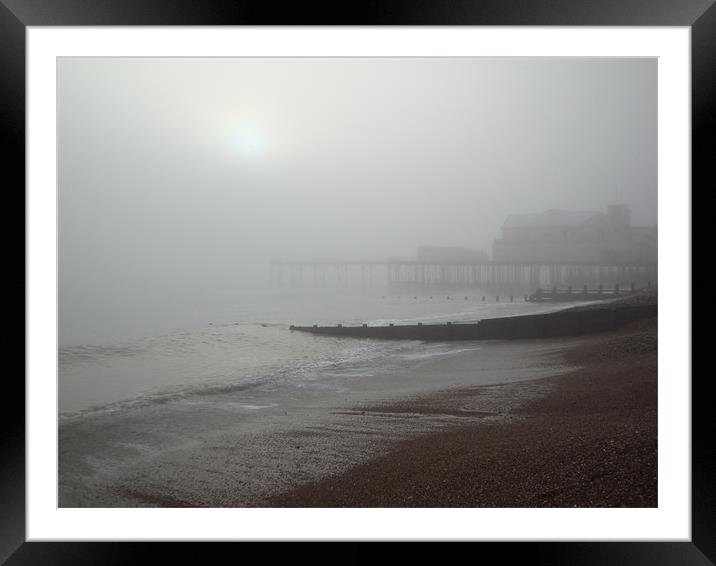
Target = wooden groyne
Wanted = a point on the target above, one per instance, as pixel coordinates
(572, 322)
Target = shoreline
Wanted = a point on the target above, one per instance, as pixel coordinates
(590, 441)
(418, 433)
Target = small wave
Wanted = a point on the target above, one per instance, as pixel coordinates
(91, 353)
(293, 373)
(161, 398)
(461, 316)
(431, 354)
(249, 406)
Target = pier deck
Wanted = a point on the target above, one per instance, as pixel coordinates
(412, 272)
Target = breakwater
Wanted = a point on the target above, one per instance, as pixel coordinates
(571, 322)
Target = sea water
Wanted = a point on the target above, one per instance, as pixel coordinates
(223, 404)
(244, 341)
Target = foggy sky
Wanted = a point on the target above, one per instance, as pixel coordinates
(184, 176)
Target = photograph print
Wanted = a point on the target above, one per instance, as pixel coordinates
(357, 282)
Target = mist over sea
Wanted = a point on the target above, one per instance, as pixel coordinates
(190, 189)
(173, 201)
(246, 343)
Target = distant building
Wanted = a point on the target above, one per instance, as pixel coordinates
(452, 254)
(558, 236)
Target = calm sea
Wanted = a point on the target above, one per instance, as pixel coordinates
(246, 343)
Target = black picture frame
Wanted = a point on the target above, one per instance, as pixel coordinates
(17, 15)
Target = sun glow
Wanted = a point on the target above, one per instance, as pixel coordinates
(251, 143)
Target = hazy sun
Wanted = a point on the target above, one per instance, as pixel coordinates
(250, 143)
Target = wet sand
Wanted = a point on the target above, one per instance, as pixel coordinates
(589, 441)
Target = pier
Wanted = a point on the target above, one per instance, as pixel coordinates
(521, 276)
